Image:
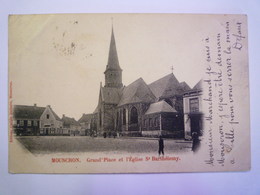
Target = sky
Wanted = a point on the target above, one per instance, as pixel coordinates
(59, 60)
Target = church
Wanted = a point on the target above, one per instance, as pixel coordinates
(139, 109)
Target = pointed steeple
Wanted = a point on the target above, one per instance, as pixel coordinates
(113, 72)
(113, 62)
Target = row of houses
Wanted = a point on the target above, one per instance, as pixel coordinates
(35, 120)
(159, 117)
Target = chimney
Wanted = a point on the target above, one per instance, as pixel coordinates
(63, 115)
(35, 105)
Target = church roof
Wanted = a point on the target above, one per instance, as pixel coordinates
(27, 112)
(198, 85)
(136, 92)
(185, 86)
(160, 107)
(166, 86)
(113, 62)
(111, 95)
(195, 90)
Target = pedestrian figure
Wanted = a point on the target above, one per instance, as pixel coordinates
(195, 142)
(114, 134)
(161, 146)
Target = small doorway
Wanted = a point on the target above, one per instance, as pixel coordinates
(195, 124)
(47, 131)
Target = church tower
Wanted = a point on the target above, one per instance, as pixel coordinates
(113, 73)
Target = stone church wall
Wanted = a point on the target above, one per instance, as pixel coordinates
(109, 117)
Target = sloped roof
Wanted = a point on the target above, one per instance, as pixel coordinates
(160, 107)
(27, 112)
(55, 115)
(138, 91)
(85, 118)
(168, 86)
(67, 121)
(110, 95)
(198, 85)
(165, 86)
(185, 86)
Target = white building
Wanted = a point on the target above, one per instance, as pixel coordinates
(50, 122)
(192, 108)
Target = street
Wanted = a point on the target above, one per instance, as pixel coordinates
(57, 144)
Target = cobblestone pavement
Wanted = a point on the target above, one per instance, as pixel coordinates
(53, 144)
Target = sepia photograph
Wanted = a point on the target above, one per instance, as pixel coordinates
(127, 93)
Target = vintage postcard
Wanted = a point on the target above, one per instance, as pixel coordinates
(128, 93)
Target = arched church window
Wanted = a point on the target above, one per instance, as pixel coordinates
(124, 116)
(134, 115)
(117, 117)
(100, 118)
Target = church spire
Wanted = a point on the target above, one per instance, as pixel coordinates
(113, 62)
(113, 72)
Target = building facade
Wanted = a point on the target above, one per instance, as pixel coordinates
(50, 123)
(88, 124)
(35, 120)
(193, 115)
(162, 119)
(71, 127)
(26, 119)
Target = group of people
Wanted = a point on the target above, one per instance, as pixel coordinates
(110, 134)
